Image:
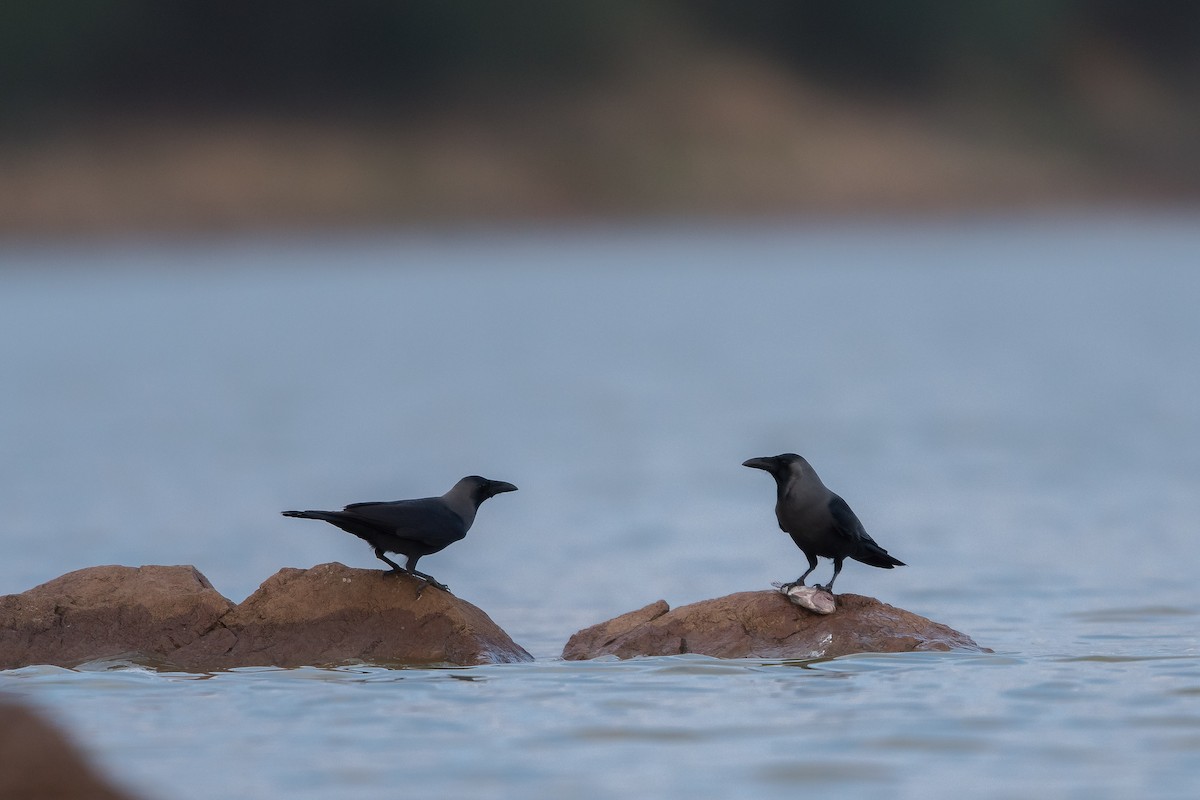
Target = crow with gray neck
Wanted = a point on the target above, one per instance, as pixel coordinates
(819, 522)
(414, 528)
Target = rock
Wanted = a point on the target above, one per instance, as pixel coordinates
(37, 762)
(591, 642)
(172, 617)
(107, 612)
(764, 625)
(332, 614)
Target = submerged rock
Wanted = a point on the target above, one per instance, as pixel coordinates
(37, 761)
(764, 625)
(172, 617)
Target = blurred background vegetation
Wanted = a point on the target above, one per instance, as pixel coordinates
(212, 114)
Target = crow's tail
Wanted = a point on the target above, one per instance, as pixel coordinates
(345, 520)
(328, 516)
(875, 556)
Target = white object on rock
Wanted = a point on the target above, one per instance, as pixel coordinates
(814, 598)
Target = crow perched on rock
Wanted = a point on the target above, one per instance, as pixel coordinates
(819, 522)
(414, 528)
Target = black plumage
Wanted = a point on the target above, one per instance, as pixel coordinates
(414, 528)
(819, 522)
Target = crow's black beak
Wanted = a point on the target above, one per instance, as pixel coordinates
(768, 463)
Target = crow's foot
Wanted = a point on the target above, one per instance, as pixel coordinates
(432, 581)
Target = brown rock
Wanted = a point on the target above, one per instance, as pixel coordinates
(764, 625)
(172, 617)
(105, 612)
(591, 642)
(332, 614)
(38, 763)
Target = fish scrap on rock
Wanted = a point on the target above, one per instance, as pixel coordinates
(816, 599)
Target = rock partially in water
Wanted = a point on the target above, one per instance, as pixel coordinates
(764, 625)
(37, 762)
(172, 617)
(108, 612)
(332, 614)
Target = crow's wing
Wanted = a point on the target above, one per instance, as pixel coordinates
(428, 520)
(847, 522)
(865, 548)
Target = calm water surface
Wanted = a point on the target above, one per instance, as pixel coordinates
(1009, 405)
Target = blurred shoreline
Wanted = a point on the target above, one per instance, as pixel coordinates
(729, 137)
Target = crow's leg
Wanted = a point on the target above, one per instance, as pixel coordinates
(396, 568)
(432, 581)
(812, 564)
(411, 567)
(837, 567)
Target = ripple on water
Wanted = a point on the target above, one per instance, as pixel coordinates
(1170, 721)
(1133, 614)
(638, 734)
(825, 772)
(1104, 658)
(1053, 691)
(932, 744)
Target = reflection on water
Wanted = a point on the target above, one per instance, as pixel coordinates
(1009, 406)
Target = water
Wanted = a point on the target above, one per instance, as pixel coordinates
(1009, 405)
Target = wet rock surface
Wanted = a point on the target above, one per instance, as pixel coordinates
(171, 617)
(764, 625)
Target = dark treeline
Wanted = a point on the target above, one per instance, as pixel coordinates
(80, 55)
